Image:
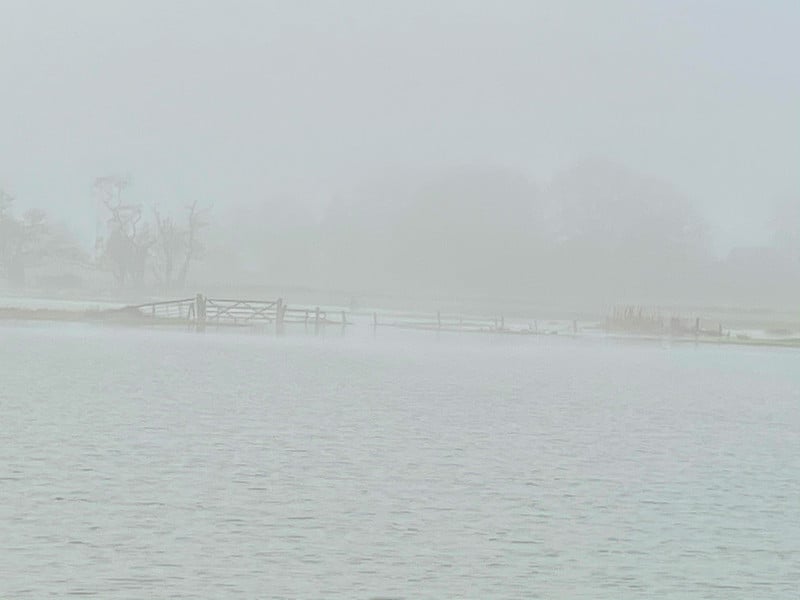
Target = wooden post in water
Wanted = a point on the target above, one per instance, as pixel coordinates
(374, 324)
(696, 326)
(439, 319)
(200, 312)
(502, 323)
(574, 326)
(316, 321)
(279, 312)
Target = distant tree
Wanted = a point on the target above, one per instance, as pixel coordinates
(177, 245)
(463, 229)
(620, 232)
(22, 240)
(609, 206)
(162, 247)
(196, 221)
(786, 228)
(271, 239)
(62, 245)
(8, 227)
(129, 238)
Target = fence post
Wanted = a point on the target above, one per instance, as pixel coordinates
(200, 312)
(279, 309)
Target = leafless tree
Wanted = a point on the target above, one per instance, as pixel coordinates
(196, 222)
(177, 246)
(130, 238)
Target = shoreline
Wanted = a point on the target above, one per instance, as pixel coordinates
(120, 316)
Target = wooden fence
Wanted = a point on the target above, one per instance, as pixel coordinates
(202, 311)
(447, 322)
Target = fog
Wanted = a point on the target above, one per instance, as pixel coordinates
(372, 299)
(619, 151)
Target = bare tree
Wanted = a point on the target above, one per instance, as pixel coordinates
(196, 222)
(129, 238)
(160, 246)
(176, 246)
(168, 245)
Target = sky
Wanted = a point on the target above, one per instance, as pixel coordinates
(234, 101)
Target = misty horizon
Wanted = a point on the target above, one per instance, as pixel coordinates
(261, 100)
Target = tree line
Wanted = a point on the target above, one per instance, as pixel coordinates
(140, 246)
(29, 238)
(480, 230)
(596, 229)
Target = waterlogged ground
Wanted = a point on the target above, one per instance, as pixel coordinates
(167, 464)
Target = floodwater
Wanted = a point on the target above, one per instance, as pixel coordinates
(168, 464)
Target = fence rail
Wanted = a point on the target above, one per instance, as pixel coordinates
(446, 322)
(201, 311)
(184, 309)
(241, 311)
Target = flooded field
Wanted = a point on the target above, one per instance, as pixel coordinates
(142, 463)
